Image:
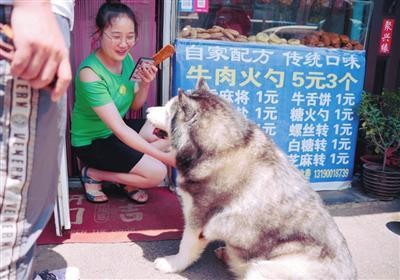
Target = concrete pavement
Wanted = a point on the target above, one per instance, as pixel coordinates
(371, 228)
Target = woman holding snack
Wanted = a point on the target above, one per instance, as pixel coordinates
(112, 149)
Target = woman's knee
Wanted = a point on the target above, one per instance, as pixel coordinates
(159, 173)
(152, 169)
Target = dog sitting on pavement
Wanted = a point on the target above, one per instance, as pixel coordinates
(238, 187)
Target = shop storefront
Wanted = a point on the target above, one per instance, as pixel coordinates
(294, 67)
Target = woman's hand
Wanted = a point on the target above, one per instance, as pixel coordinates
(147, 74)
(169, 158)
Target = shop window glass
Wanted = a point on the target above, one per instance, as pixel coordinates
(307, 22)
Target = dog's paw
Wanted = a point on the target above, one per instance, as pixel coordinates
(169, 264)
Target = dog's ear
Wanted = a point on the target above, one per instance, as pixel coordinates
(186, 104)
(202, 84)
(183, 99)
(180, 92)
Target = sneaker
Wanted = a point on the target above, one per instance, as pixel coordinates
(69, 273)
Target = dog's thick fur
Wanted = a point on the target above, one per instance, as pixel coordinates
(238, 187)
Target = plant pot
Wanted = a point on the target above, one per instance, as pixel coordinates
(371, 159)
(384, 185)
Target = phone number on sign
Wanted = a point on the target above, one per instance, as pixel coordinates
(331, 173)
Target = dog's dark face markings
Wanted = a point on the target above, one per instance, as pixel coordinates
(193, 120)
(192, 117)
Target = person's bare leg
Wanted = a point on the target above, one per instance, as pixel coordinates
(148, 172)
(93, 188)
(153, 170)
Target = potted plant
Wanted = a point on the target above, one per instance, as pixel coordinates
(380, 127)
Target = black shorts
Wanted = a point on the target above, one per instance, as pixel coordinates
(111, 154)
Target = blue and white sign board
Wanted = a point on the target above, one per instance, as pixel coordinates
(304, 98)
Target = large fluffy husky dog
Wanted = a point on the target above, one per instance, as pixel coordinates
(238, 187)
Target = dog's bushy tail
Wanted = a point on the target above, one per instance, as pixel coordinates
(289, 267)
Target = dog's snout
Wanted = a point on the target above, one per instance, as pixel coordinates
(148, 110)
(157, 117)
